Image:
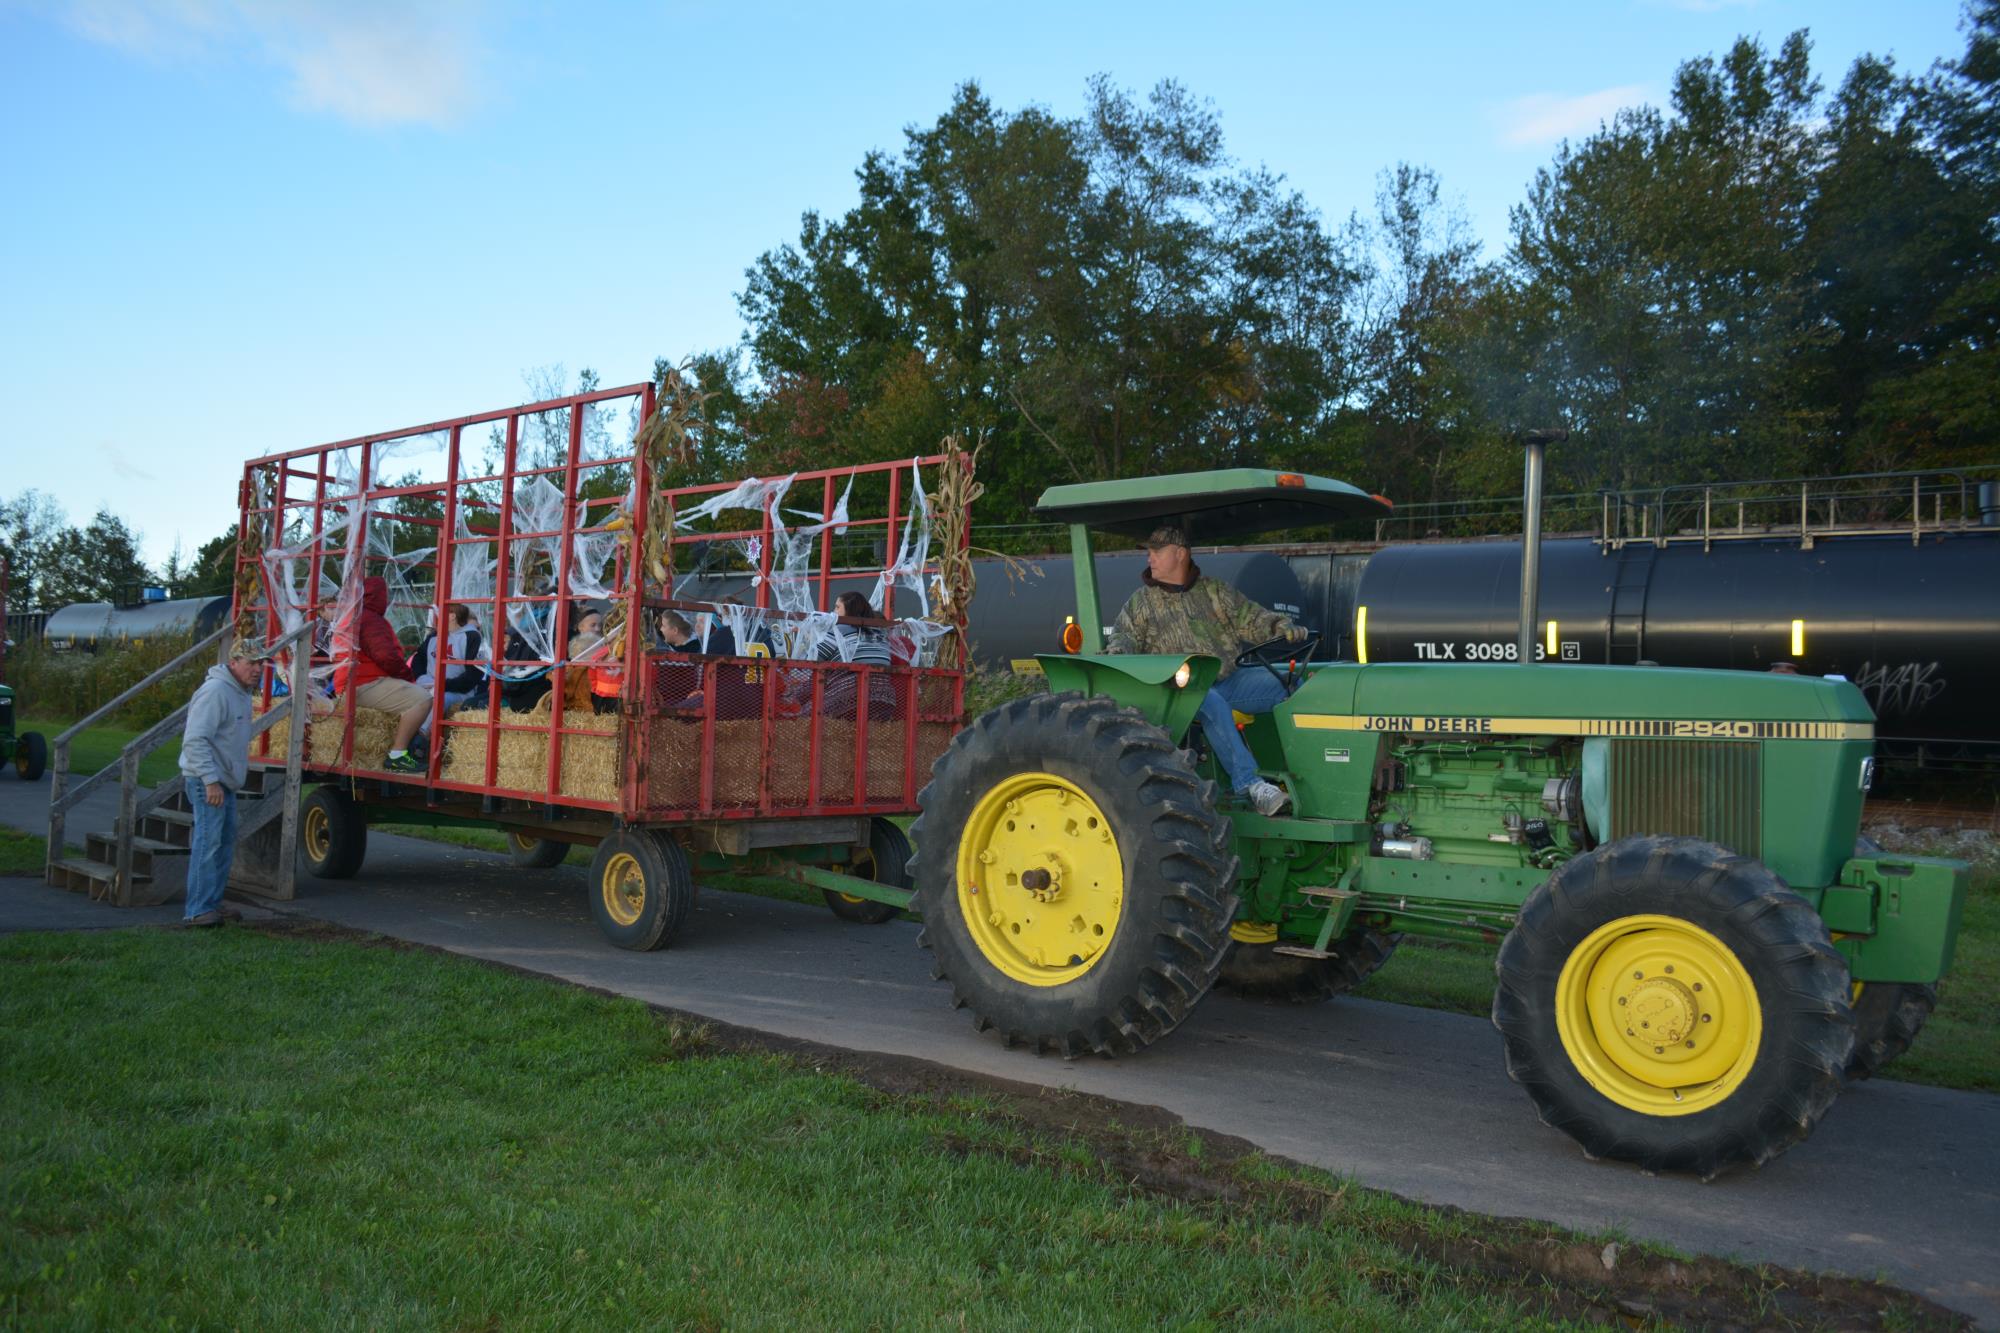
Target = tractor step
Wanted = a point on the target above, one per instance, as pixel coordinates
(1299, 951)
(1328, 892)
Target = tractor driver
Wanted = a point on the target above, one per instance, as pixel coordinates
(1176, 610)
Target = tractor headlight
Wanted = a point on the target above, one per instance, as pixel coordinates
(1184, 675)
(1868, 773)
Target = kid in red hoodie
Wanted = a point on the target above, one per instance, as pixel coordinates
(381, 678)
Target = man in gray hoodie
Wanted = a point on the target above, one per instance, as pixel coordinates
(215, 759)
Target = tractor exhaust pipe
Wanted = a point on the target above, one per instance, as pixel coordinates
(1534, 441)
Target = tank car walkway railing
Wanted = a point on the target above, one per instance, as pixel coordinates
(134, 806)
(1917, 503)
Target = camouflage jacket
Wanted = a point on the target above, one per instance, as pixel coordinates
(1210, 617)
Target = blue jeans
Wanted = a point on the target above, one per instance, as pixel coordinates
(212, 850)
(1248, 690)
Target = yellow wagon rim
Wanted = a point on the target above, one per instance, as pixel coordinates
(1659, 1015)
(1041, 883)
(623, 887)
(318, 833)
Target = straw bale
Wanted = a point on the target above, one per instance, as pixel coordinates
(373, 730)
(590, 766)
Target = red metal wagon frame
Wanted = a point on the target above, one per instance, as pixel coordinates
(306, 493)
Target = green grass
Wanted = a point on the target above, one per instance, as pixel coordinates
(97, 747)
(22, 853)
(300, 1133)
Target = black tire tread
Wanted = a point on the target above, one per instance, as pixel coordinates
(1805, 1007)
(347, 829)
(1187, 919)
(540, 854)
(1259, 972)
(1887, 1018)
(892, 866)
(31, 758)
(669, 889)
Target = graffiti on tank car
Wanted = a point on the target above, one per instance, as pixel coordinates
(1907, 689)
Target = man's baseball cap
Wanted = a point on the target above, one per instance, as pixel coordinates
(245, 650)
(1167, 534)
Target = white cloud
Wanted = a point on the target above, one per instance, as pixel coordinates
(371, 62)
(1541, 119)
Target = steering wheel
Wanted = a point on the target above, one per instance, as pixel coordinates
(1266, 655)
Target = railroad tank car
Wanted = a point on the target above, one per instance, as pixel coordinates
(90, 625)
(1916, 625)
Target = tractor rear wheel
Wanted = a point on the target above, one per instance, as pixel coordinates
(1669, 1003)
(887, 861)
(641, 889)
(333, 834)
(531, 853)
(1075, 880)
(1257, 971)
(1888, 1015)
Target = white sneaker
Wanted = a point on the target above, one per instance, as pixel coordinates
(1267, 798)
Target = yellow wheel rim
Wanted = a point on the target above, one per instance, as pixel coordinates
(1040, 880)
(863, 866)
(521, 842)
(624, 889)
(318, 833)
(1254, 932)
(1658, 1015)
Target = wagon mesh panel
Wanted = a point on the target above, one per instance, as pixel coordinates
(758, 730)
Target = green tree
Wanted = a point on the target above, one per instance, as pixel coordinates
(1108, 295)
(30, 525)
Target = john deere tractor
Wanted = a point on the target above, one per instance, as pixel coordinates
(1691, 954)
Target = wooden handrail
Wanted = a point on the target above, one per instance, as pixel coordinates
(62, 796)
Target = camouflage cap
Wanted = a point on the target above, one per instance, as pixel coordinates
(245, 650)
(1167, 534)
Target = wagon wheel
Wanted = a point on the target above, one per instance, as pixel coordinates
(532, 853)
(1888, 1015)
(887, 861)
(333, 834)
(1669, 1003)
(1254, 969)
(1075, 881)
(640, 889)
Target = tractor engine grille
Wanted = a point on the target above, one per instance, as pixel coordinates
(1692, 789)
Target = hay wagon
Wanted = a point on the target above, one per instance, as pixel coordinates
(617, 650)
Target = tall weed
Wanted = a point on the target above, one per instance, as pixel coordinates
(68, 685)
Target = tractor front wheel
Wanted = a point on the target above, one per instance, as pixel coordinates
(1256, 970)
(641, 889)
(1075, 880)
(31, 756)
(887, 861)
(1669, 1003)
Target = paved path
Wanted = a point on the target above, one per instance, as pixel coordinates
(1900, 1181)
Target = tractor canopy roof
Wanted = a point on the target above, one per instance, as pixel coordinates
(1212, 506)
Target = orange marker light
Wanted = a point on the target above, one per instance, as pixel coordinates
(1290, 479)
(1072, 636)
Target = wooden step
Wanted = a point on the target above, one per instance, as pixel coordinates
(104, 847)
(80, 874)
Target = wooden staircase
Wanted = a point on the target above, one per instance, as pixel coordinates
(142, 859)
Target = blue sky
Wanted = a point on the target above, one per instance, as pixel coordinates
(234, 227)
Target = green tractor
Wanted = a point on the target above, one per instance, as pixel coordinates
(1691, 953)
